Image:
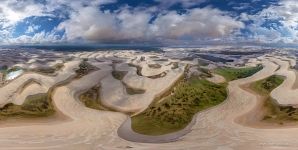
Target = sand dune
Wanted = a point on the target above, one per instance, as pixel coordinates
(214, 129)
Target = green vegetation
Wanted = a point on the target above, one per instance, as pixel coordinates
(119, 75)
(38, 105)
(274, 113)
(85, 68)
(49, 70)
(13, 69)
(162, 59)
(279, 114)
(176, 110)
(91, 98)
(59, 66)
(175, 65)
(265, 86)
(153, 57)
(237, 73)
(6, 70)
(142, 58)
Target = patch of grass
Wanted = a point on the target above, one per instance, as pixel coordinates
(38, 105)
(175, 65)
(142, 58)
(119, 75)
(177, 109)
(153, 57)
(265, 86)
(13, 69)
(162, 59)
(279, 114)
(91, 98)
(85, 68)
(59, 66)
(274, 113)
(48, 70)
(237, 73)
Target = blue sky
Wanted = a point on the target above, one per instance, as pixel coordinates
(148, 21)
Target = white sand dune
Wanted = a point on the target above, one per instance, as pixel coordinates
(115, 96)
(9, 93)
(285, 95)
(215, 129)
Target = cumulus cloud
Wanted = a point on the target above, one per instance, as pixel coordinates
(13, 11)
(197, 23)
(92, 24)
(37, 38)
(83, 20)
(130, 24)
(278, 23)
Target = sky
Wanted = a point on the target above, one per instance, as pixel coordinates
(165, 22)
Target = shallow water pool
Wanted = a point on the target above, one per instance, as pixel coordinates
(12, 75)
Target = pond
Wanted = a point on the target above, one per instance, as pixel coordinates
(13, 74)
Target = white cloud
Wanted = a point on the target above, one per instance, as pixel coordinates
(13, 11)
(32, 28)
(37, 38)
(134, 25)
(86, 21)
(198, 23)
(286, 13)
